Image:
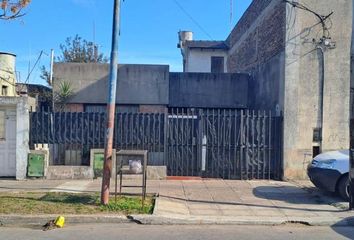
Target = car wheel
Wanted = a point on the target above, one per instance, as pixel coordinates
(343, 187)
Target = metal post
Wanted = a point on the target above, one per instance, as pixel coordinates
(107, 168)
(351, 162)
(51, 76)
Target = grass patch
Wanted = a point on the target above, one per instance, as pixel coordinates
(69, 203)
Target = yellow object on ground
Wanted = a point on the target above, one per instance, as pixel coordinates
(60, 221)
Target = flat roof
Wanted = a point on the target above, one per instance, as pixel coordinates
(207, 44)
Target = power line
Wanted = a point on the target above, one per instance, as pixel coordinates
(192, 19)
(29, 74)
(322, 18)
(231, 12)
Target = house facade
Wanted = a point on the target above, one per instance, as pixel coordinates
(14, 122)
(300, 68)
(202, 56)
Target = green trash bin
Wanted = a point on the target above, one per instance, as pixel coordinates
(98, 162)
(35, 165)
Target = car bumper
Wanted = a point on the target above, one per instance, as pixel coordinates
(325, 179)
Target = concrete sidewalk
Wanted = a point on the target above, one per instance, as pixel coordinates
(247, 201)
(217, 201)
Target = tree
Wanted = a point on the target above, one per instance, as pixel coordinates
(76, 50)
(63, 94)
(11, 9)
(80, 50)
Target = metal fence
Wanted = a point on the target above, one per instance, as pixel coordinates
(218, 143)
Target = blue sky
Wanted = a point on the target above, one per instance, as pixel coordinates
(148, 28)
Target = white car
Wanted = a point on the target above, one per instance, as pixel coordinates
(330, 171)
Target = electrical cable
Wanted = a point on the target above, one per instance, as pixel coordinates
(37, 61)
(322, 18)
(192, 19)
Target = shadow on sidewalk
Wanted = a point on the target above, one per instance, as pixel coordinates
(345, 227)
(250, 204)
(296, 195)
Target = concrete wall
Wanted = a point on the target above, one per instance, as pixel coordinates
(257, 47)
(302, 86)
(199, 60)
(208, 90)
(137, 84)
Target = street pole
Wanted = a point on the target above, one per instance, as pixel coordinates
(351, 129)
(51, 75)
(111, 103)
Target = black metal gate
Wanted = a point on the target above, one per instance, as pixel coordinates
(218, 143)
(241, 144)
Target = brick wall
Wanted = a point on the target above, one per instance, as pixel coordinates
(254, 10)
(259, 35)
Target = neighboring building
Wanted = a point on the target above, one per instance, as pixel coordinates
(7, 75)
(149, 88)
(42, 95)
(300, 68)
(202, 56)
(14, 122)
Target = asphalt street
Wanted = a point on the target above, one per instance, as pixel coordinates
(134, 231)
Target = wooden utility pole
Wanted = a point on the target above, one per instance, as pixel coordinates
(111, 105)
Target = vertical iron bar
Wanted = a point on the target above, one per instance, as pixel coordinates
(247, 145)
(219, 138)
(153, 142)
(120, 133)
(166, 139)
(131, 130)
(200, 134)
(137, 119)
(149, 132)
(264, 135)
(42, 128)
(193, 143)
(126, 129)
(235, 144)
(253, 155)
(212, 138)
(269, 144)
(48, 127)
(229, 133)
(223, 132)
(186, 137)
(258, 142)
(242, 132)
(178, 143)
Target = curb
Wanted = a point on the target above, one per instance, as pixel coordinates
(11, 220)
(20, 220)
(217, 220)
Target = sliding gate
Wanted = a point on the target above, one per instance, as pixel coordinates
(229, 144)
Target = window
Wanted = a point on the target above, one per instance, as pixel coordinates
(2, 125)
(4, 90)
(217, 64)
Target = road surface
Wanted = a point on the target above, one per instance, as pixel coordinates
(133, 231)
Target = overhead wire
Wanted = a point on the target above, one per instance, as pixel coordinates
(37, 61)
(192, 19)
(322, 18)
